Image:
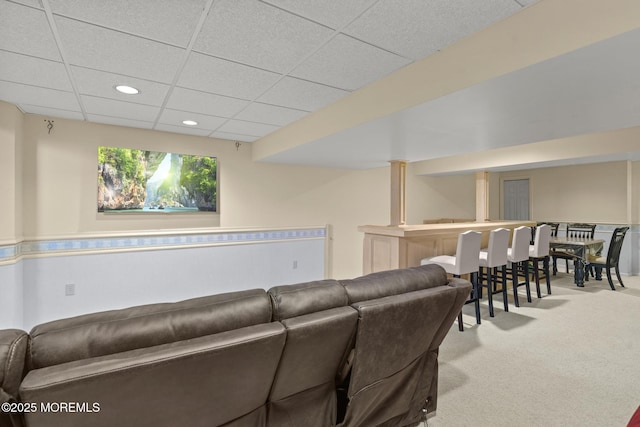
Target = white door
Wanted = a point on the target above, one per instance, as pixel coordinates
(516, 199)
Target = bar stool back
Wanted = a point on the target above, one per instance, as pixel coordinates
(466, 261)
(539, 252)
(494, 257)
(518, 256)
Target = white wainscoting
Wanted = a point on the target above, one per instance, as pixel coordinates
(125, 273)
(11, 295)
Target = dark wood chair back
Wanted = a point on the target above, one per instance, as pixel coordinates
(615, 246)
(581, 230)
(613, 258)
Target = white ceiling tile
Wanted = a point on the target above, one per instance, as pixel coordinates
(187, 130)
(23, 94)
(247, 128)
(332, 13)
(110, 107)
(270, 114)
(51, 112)
(203, 102)
(33, 71)
(171, 21)
(102, 84)
(26, 30)
(227, 78)
(98, 48)
(348, 64)
(32, 3)
(255, 33)
(301, 94)
(233, 136)
(174, 117)
(419, 28)
(119, 121)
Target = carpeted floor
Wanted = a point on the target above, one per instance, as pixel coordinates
(569, 359)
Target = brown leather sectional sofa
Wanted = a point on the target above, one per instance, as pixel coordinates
(361, 352)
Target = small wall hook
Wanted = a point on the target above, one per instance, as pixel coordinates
(238, 145)
(49, 125)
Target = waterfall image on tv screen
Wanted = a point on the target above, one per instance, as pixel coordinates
(131, 180)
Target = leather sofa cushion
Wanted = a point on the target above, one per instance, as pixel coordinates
(202, 382)
(115, 331)
(316, 345)
(304, 298)
(394, 282)
(303, 392)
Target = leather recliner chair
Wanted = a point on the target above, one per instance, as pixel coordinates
(320, 329)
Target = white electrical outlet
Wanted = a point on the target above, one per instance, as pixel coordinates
(69, 289)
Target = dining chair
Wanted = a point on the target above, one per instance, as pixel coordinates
(539, 253)
(518, 257)
(612, 260)
(573, 231)
(465, 261)
(492, 258)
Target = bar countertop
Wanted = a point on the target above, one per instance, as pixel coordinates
(434, 229)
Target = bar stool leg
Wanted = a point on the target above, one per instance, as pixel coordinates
(525, 265)
(474, 280)
(490, 290)
(545, 264)
(536, 275)
(514, 281)
(460, 324)
(505, 300)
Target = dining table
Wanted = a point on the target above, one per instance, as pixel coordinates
(581, 249)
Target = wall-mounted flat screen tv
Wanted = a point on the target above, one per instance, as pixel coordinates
(131, 180)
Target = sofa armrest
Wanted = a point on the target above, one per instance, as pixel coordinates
(13, 351)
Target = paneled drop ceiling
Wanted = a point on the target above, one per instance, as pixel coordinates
(240, 68)
(267, 71)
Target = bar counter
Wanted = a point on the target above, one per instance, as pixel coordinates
(391, 247)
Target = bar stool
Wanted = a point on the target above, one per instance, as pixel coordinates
(518, 256)
(466, 261)
(539, 252)
(493, 257)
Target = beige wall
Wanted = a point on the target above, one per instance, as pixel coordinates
(280, 195)
(10, 173)
(431, 197)
(60, 177)
(60, 190)
(634, 192)
(581, 193)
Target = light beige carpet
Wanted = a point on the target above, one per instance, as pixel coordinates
(569, 359)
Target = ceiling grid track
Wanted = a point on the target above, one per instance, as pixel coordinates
(56, 35)
(185, 57)
(297, 64)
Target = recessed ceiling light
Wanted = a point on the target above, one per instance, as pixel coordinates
(189, 122)
(127, 90)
